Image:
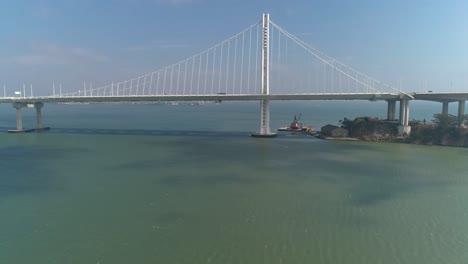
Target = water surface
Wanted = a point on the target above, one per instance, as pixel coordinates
(186, 184)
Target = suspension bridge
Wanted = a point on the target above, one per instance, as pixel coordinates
(263, 62)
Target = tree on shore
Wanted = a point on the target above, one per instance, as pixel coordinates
(445, 121)
(447, 131)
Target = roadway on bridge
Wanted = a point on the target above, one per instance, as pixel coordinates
(226, 97)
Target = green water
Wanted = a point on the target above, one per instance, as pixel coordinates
(93, 195)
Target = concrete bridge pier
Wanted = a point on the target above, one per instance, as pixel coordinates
(265, 117)
(19, 117)
(391, 109)
(461, 112)
(445, 108)
(38, 107)
(404, 128)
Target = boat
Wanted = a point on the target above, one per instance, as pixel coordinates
(295, 126)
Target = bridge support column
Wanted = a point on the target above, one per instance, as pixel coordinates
(391, 109)
(461, 112)
(265, 82)
(38, 107)
(19, 117)
(445, 106)
(265, 118)
(404, 128)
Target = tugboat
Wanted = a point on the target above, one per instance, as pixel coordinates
(296, 126)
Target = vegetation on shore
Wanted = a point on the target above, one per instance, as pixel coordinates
(370, 128)
(444, 130)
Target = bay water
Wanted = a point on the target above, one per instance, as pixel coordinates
(148, 183)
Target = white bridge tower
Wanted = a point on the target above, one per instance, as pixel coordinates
(265, 81)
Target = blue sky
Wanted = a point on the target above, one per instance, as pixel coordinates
(69, 42)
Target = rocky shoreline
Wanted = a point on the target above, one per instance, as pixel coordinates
(376, 130)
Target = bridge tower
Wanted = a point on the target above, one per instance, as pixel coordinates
(265, 81)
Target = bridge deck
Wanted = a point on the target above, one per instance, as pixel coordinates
(216, 97)
(438, 97)
(442, 96)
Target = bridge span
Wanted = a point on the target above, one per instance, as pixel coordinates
(215, 97)
(38, 102)
(403, 99)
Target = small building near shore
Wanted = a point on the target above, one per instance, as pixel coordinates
(333, 131)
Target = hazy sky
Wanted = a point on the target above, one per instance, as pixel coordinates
(71, 41)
